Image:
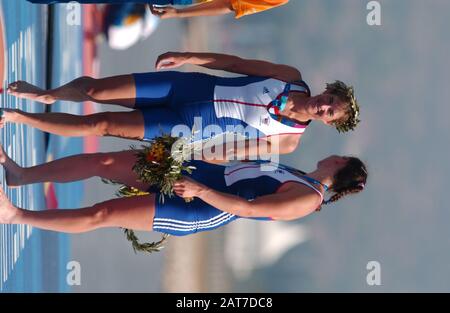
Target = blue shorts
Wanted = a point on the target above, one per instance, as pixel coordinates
(169, 99)
(176, 217)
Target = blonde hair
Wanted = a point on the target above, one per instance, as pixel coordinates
(346, 94)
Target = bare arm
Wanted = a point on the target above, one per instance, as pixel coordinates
(215, 7)
(288, 205)
(229, 63)
(251, 149)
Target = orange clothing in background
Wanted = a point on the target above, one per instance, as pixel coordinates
(246, 7)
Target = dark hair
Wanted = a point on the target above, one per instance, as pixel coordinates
(349, 179)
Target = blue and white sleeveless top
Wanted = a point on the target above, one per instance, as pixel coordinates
(257, 105)
(261, 179)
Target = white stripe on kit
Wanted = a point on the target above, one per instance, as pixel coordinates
(189, 223)
(194, 225)
(170, 226)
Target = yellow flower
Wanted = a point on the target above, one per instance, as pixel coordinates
(156, 153)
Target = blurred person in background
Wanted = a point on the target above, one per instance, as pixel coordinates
(124, 25)
(166, 8)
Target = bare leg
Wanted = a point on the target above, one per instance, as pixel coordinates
(13, 171)
(133, 213)
(116, 166)
(128, 124)
(120, 90)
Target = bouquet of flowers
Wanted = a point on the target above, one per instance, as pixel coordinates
(162, 163)
(159, 164)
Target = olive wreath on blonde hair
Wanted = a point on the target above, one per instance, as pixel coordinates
(346, 94)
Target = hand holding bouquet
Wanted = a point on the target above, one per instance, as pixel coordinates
(163, 163)
(160, 164)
